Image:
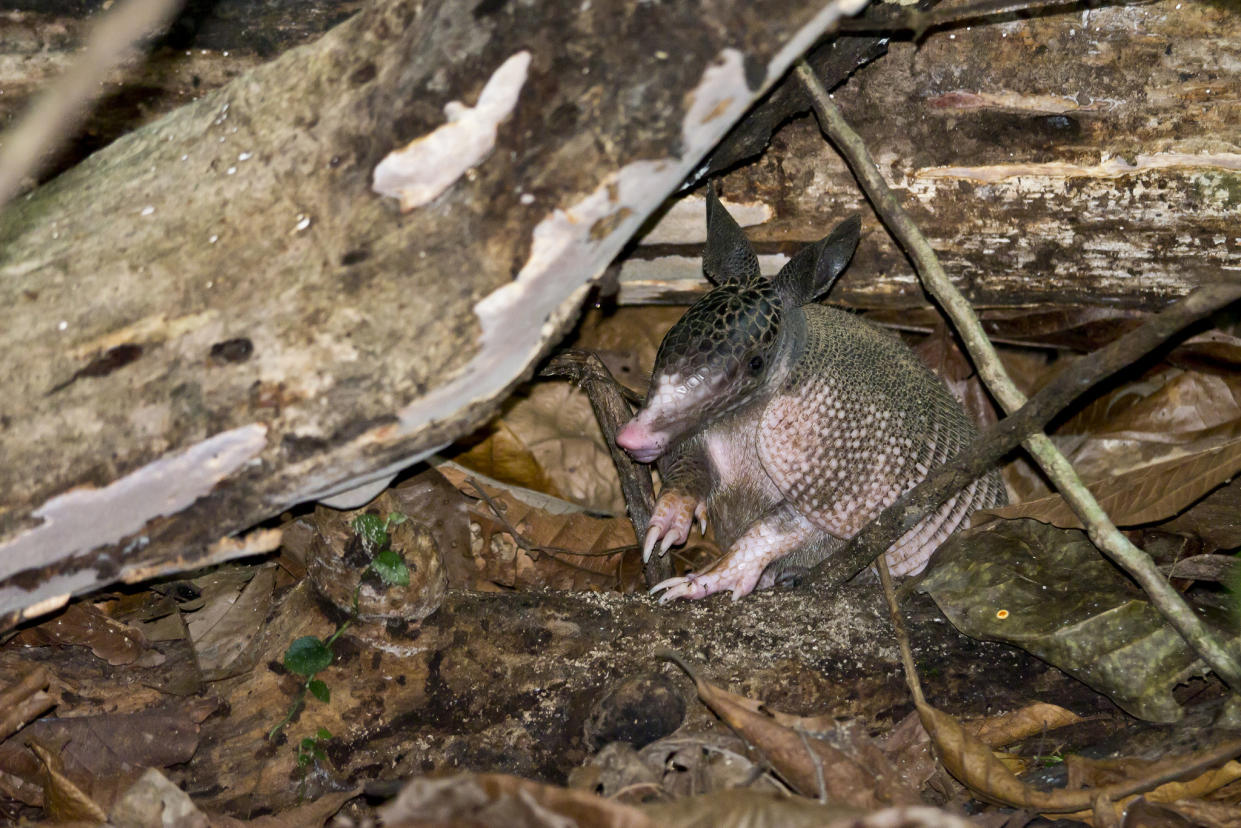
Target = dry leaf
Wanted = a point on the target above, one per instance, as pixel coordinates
(1031, 720)
(83, 624)
(1142, 495)
(505, 457)
(810, 765)
(63, 800)
(154, 800)
(973, 763)
(225, 628)
(1195, 788)
(557, 544)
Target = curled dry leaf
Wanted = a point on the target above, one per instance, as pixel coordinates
(973, 763)
(63, 800)
(524, 539)
(83, 624)
(548, 440)
(1031, 720)
(812, 766)
(1146, 494)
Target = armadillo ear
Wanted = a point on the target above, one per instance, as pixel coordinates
(814, 269)
(728, 258)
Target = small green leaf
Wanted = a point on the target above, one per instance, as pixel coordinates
(371, 529)
(307, 656)
(303, 759)
(323, 734)
(390, 566)
(395, 519)
(318, 753)
(319, 690)
(308, 743)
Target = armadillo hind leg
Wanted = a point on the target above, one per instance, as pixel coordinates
(767, 540)
(675, 513)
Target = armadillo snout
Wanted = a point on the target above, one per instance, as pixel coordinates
(640, 442)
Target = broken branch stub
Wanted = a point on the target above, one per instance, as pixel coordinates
(217, 317)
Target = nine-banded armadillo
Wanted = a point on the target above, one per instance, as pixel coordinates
(788, 424)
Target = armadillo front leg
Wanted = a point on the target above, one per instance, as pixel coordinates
(682, 499)
(767, 540)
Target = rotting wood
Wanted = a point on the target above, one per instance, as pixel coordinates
(1088, 158)
(215, 317)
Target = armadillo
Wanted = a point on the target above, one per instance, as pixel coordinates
(789, 425)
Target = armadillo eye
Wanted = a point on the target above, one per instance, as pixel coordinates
(756, 363)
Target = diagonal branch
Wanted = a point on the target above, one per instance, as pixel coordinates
(1101, 530)
(51, 120)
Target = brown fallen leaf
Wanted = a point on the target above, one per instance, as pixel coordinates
(1143, 495)
(503, 456)
(63, 800)
(103, 754)
(1195, 788)
(525, 539)
(973, 763)
(83, 624)
(236, 602)
(810, 765)
(1031, 720)
(493, 800)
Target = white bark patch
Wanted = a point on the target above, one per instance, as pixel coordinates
(1009, 101)
(425, 167)
(84, 519)
(1109, 168)
(686, 220)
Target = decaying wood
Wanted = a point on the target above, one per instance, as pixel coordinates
(1090, 158)
(216, 317)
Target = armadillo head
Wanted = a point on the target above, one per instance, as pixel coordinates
(728, 348)
(712, 361)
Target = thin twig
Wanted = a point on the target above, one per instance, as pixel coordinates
(558, 553)
(54, 116)
(1102, 532)
(608, 400)
(902, 635)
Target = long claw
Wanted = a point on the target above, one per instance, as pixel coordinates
(652, 535)
(671, 582)
(700, 512)
(666, 543)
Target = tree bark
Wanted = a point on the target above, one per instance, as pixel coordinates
(216, 317)
(1082, 160)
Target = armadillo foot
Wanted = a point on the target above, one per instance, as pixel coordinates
(724, 576)
(739, 571)
(674, 516)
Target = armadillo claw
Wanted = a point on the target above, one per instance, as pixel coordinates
(729, 574)
(670, 524)
(691, 586)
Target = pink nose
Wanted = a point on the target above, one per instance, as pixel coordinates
(632, 437)
(642, 444)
